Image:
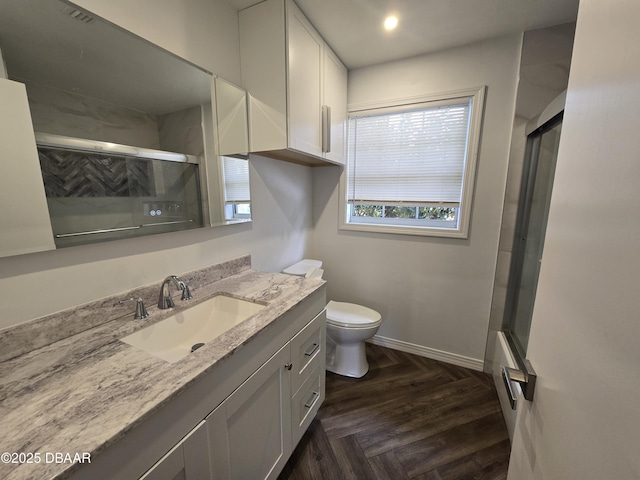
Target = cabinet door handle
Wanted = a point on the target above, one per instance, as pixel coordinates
(288, 366)
(309, 403)
(326, 129)
(313, 350)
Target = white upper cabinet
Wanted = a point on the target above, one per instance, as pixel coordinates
(297, 86)
(231, 113)
(26, 227)
(335, 107)
(304, 65)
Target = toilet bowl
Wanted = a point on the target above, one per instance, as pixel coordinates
(348, 326)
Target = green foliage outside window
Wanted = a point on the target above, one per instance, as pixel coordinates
(392, 211)
(437, 213)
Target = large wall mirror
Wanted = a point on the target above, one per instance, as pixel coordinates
(126, 131)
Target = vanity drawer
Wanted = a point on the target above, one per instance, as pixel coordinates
(306, 403)
(308, 351)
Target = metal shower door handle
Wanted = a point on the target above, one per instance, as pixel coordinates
(525, 377)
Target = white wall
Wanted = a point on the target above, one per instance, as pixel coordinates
(38, 284)
(432, 293)
(583, 422)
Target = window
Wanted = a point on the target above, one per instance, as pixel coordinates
(237, 196)
(411, 164)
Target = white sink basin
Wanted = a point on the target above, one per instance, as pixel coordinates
(173, 338)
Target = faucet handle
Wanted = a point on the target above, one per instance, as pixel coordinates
(141, 311)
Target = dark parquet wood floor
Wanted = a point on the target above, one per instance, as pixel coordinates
(409, 417)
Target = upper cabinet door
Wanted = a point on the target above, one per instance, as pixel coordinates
(24, 218)
(233, 127)
(304, 63)
(335, 104)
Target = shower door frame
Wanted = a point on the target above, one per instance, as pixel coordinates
(521, 230)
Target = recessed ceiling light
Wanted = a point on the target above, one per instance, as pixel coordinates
(390, 22)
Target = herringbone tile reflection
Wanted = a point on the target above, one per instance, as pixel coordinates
(80, 174)
(409, 417)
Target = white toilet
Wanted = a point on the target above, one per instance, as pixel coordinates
(348, 326)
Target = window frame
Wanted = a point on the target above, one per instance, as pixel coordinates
(476, 96)
(231, 206)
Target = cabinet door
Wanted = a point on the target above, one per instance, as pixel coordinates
(233, 126)
(304, 56)
(26, 226)
(335, 101)
(250, 432)
(188, 460)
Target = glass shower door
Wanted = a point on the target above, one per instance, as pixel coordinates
(537, 184)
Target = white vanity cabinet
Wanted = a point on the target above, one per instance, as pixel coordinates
(26, 227)
(308, 375)
(254, 431)
(250, 433)
(189, 459)
(240, 419)
(297, 86)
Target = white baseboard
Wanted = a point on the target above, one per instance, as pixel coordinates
(432, 353)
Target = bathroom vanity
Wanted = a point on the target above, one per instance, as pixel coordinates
(234, 408)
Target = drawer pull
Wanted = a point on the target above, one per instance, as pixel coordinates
(311, 400)
(313, 350)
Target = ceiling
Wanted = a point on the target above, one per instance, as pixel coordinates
(78, 60)
(354, 30)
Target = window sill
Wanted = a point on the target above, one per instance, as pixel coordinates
(405, 230)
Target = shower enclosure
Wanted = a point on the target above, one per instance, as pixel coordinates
(533, 211)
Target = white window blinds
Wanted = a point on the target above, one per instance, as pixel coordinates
(409, 155)
(235, 172)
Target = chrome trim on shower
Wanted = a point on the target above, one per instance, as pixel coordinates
(95, 146)
(121, 229)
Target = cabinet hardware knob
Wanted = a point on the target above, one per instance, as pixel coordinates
(288, 366)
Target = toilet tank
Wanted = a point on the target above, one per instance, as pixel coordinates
(302, 267)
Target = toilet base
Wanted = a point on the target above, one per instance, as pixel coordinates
(348, 360)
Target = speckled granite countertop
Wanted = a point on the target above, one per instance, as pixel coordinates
(86, 391)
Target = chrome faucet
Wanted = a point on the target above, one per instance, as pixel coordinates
(165, 301)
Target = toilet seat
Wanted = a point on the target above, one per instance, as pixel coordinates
(350, 315)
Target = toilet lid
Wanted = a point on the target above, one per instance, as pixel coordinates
(302, 267)
(351, 315)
